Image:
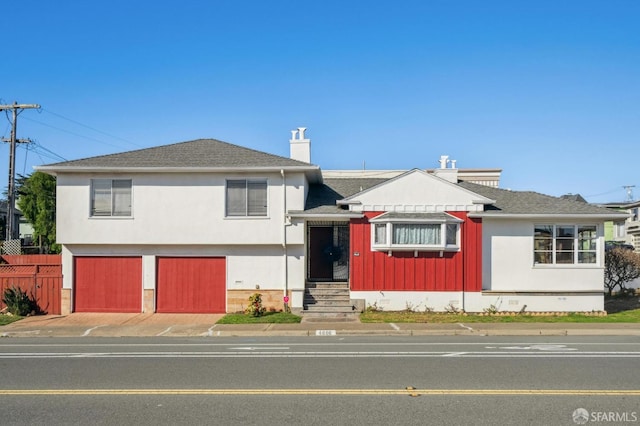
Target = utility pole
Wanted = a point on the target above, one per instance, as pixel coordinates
(629, 189)
(16, 109)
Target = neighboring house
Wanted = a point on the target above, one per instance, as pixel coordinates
(626, 230)
(18, 219)
(199, 226)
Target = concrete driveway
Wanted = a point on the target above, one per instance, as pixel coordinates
(113, 325)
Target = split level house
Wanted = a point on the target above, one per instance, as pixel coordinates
(199, 226)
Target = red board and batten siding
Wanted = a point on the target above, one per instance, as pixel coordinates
(107, 284)
(191, 285)
(402, 271)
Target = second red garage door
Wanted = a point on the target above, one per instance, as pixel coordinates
(191, 285)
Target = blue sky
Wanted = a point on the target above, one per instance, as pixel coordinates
(548, 91)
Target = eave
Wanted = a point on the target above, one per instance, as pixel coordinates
(313, 173)
(542, 216)
(325, 216)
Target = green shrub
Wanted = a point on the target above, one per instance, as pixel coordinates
(18, 302)
(255, 307)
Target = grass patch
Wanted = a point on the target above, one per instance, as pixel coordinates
(444, 318)
(267, 318)
(8, 319)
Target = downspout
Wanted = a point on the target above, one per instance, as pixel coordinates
(285, 297)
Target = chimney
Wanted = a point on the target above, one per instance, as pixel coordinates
(450, 174)
(300, 147)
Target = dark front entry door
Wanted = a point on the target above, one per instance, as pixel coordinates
(328, 252)
(321, 263)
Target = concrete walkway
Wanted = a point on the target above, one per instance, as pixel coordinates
(204, 325)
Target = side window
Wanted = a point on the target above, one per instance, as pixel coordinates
(565, 244)
(246, 198)
(111, 197)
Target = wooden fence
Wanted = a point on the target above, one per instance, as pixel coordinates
(39, 275)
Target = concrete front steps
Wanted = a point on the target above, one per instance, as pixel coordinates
(328, 301)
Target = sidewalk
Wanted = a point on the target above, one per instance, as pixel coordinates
(204, 325)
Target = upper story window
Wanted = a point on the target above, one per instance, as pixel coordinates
(565, 244)
(416, 231)
(111, 197)
(246, 197)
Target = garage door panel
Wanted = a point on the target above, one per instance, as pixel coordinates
(191, 285)
(108, 284)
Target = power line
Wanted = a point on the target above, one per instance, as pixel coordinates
(39, 149)
(73, 133)
(604, 193)
(91, 128)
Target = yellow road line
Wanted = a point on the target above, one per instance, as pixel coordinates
(413, 392)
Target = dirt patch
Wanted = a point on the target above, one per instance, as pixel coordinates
(619, 304)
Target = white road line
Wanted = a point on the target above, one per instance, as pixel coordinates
(464, 326)
(165, 331)
(87, 332)
(395, 327)
(251, 353)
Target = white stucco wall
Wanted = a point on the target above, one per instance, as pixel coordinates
(508, 261)
(176, 209)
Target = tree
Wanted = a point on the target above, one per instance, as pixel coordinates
(37, 201)
(620, 266)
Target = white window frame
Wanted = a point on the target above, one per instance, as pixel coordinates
(385, 227)
(113, 197)
(247, 213)
(574, 248)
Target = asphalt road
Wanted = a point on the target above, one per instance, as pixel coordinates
(446, 380)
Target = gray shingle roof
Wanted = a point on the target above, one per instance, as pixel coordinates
(322, 199)
(528, 202)
(200, 153)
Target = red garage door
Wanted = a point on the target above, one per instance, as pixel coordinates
(108, 284)
(191, 285)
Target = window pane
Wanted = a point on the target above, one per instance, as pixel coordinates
(452, 234)
(543, 243)
(565, 231)
(380, 233)
(545, 231)
(543, 257)
(419, 234)
(236, 198)
(257, 198)
(101, 197)
(564, 257)
(587, 238)
(564, 244)
(586, 257)
(121, 193)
